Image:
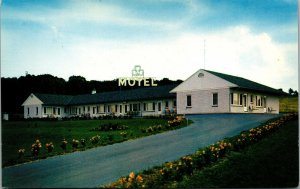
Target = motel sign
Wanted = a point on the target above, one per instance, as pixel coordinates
(137, 79)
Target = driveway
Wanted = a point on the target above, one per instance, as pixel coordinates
(103, 165)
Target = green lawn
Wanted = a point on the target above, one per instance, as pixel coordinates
(288, 104)
(22, 134)
(272, 162)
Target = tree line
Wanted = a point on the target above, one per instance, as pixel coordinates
(14, 91)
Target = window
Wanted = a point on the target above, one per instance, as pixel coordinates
(234, 98)
(241, 99)
(258, 101)
(251, 98)
(58, 111)
(94, 110)
(37, 110)
(54, 111)
(116, 108)
(83, 109)
(188, 100)
(215, 99)
(104, 108)
(28, 111)
(134, 107)
(97, 109)
(145, 107)
(120, 108)
(88, 109)
(159, 106)
(108, 108)
(65, 110)
(174, 103)
(167, 104)
(130, 107)
(125, 108)
(79, 109)
(153, 106)
(45, 110)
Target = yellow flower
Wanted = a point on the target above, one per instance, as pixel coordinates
(132, 175)
(139, 178)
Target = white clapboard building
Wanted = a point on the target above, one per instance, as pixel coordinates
(203, 92)
(212, 92)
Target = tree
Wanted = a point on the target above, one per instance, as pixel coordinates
(291, 91)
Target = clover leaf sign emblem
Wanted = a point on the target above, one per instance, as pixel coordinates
(137, 78)
(137, 71)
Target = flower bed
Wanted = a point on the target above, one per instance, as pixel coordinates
(110, 127)
(175, 171)
(173, 123)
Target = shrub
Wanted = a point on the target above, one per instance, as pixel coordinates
(36, 147)
(64, 144)
(82, 142)
(49, 147)
(131, 181)
(95, 139)
(176, 121)
(75, 143)
(110, 127)
(21, 153)
(123, 134)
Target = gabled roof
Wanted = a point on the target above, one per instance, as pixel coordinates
(53, 99)
(146, 93)
(246, 84)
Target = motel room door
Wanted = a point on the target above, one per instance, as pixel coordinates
(245, 103)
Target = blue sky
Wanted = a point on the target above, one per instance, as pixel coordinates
(104, 39)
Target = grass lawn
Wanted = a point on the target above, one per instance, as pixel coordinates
(272, 162)
(22, 134)
(288, 104)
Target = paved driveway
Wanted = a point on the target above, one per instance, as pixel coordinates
(103, 165)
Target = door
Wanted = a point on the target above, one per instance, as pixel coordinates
(245, 103)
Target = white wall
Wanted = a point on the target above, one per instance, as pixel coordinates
(272, 102)
(202, 101)
(205, 82)
(118, 112)
(30, 111)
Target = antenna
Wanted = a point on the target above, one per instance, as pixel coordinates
(204, 53)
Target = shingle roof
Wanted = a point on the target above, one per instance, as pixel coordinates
(146, 93)
(53, 99)
(246, 84)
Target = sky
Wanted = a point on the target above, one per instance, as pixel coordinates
(105, 39)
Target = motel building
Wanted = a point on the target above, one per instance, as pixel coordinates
(203, 92)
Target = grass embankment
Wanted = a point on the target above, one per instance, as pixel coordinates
(22, 134)
(288, 104)
(272, 162)
(266, 156)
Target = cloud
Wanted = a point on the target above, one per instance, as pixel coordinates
(235, 51)
(76, 38)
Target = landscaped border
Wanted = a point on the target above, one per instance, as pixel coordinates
(174, 171)
(80, 144)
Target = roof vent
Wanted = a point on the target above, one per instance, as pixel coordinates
(94, 91)
(201, 74)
